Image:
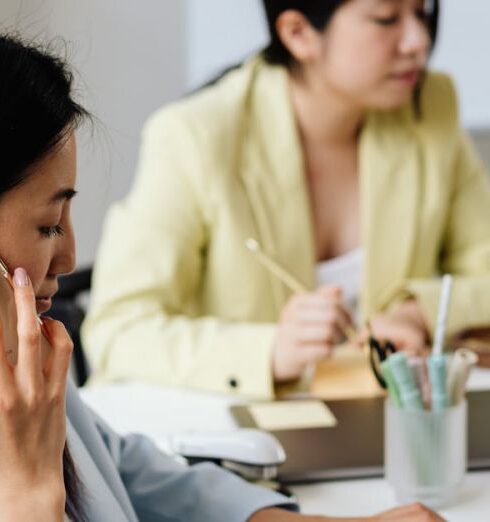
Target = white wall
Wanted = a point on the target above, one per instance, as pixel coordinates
(130, 56)
(221, 33)
(462, 50)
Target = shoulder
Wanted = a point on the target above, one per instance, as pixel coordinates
(213, 112)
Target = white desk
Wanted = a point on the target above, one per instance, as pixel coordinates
(158, 412)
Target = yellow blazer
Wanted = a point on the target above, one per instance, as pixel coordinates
(178, 299)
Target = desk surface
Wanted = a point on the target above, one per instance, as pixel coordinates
(132, 407)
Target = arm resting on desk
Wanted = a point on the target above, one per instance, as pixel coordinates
(161, 488)
(411, 513)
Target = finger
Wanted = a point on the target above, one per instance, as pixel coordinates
(324, 313)
(28, 330)
(364, 334)
(311, 300)
(332, 292)
(342, 318)
(319, 333)
(314, 352)
(334, 323)
(326, 304)
(315, 333)
(6, 377)
(317, 308)
(335, 297)
(60, 353)
(321, 295)
(404, 337)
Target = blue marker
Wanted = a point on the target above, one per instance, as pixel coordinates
(405, 383)
(437, 377)
(437, 361)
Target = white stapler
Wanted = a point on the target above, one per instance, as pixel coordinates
(251, 453)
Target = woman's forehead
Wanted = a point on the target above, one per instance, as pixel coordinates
(53, 178)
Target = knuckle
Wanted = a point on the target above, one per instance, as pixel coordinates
(8, 403)
(420, 508)
(66, 347)
(58, 325)
(34, 398)
(30, 335)
(57, 395)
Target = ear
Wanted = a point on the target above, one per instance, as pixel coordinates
(299, 37)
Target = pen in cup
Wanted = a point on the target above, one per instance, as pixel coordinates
(437, 360)
(457, 376)
(390, 383)
(418, 366)
(405, 384)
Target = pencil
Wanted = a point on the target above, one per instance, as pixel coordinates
(289, 280)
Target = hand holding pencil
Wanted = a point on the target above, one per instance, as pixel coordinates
(311, 323)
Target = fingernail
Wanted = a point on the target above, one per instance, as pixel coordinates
(20, 277)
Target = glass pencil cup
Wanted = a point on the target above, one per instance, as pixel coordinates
(425, 453)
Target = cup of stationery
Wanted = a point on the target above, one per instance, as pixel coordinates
(426, 419)
(425, 453)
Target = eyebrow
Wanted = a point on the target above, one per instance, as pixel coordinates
(63, 195)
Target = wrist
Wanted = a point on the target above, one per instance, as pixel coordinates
(35, 503)
(281, 515)
(410, 311)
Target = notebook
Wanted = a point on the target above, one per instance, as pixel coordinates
(353, 446)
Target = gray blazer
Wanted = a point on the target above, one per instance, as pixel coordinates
(126, 479)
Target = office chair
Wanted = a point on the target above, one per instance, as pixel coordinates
(68, 309)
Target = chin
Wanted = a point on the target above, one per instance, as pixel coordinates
(389, 103)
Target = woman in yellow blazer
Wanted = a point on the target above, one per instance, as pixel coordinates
(331, 140)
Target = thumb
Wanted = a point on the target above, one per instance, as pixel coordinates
(332, 291)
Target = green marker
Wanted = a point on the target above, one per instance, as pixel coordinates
(405, 383)
(390, 383)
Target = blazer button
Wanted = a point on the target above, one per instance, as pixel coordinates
(233, 383)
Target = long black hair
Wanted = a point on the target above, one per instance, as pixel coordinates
(37, 112)
(318, 13)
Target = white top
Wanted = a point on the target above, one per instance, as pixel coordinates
(344, 271)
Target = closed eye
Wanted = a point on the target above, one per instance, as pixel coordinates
(53, 231)
(388, 20)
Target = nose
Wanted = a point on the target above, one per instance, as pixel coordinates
(415, 40)
(64, 258)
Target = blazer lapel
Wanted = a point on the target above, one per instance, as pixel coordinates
(390, 185)
(272, 173)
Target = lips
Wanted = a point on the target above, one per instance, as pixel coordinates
(43, 304)
(410, 77)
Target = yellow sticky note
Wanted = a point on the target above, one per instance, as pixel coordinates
(345, 375)
(290, 415)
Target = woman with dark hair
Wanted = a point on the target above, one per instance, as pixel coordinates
(342, 155)
(110, 478)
